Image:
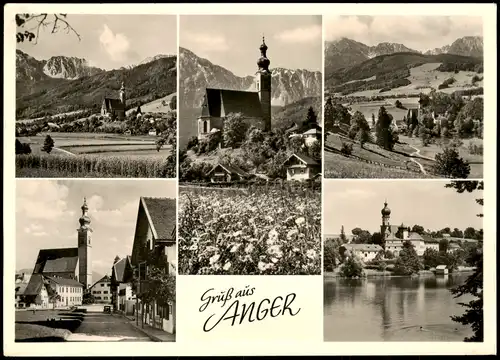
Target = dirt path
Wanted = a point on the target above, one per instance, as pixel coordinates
(66, 152)
(417, 153)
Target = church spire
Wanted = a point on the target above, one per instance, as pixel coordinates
(84, 219)
(263, 61)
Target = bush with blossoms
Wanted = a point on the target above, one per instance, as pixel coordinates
(249, 232)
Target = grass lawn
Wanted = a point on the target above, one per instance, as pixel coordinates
(338, 166)
(46, 325)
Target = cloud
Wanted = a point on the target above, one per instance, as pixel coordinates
(300, 35)
(123, 216)
(207, 42)
(41, 199)
(116, 45)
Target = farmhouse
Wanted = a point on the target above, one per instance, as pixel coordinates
(254, 106)
(155, 243)
(112, 107)
(365, 252)
(311, 136)
(225, 173)
(59, 291)
(101, 290)
(301, 167)
(121, 285)
(59, 266)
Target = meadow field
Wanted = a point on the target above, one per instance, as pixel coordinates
(71, 144)
(254, 231)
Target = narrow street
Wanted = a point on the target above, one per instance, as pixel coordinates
(99, 326)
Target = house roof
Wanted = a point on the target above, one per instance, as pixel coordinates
(64, 281)
(363, 247)
(161, 214)
(34, 286)
(229, 169)
(222, 101)
(105, 278)
(304, 158)
(111, 103)
(454, 245)
(119, 268)
(441, 267)
(21, 287)
(312, 132)
(56, 260)
(415, 236)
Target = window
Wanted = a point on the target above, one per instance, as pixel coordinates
(102, 284)
(205, 126)
(104, 292)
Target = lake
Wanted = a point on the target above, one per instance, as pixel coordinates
(393, 309)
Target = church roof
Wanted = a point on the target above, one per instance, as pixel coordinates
(111, 103)
(161, 213)
(415, 236)
(56, 260)
(223, 101)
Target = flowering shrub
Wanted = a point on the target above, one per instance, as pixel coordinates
(247, 232)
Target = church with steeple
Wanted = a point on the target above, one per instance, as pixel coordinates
(255, 106)
(66, 267)
(113, 107)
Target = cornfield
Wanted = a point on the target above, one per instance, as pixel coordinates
(88, 165)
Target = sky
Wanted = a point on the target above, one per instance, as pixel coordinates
(232, 41)
(416, 32)
(108, 41)
(427, 203)
(47, 213)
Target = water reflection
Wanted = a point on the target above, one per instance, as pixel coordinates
(393, 309)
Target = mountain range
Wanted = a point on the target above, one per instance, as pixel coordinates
(344, 52)
(62, 84)
(196, 74)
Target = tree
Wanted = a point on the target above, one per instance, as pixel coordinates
(443, 245)
(457, 233)
(331, 257)
(470, 233)
(449, 164)
(311, 119)
(473, 315)
(54, 297)
(373, 120)
(378, 239)
(234, 130)
(328, 114)
(22, 148)
(352, 267)
(418, 229)
(384, 135)
(431, 258)
(343, 238)
(48, 144)
(314, 150)
(359, 130)
(407, 263)
(29, 25)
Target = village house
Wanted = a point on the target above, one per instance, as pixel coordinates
(123, 297)
(452, 247)
(311, 136)
(155, 245)
(20, 288)
(225, 173)
(55, 291)
(254, 106)
(115, 108)
(73, 264)
(365, 252)
(101, 290)
(301, 167)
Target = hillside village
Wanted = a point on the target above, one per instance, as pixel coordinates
(239, 139)
(416, 115)
(140, 285)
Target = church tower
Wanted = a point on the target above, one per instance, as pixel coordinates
(122, 95)
(85, 248)
(263, 85)
(386, 215)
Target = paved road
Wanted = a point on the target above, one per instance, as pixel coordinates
(106, 327)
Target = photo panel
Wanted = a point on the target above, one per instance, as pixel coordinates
(403, 97)
(96, 260)
(401, 263)
(96, 96)
(250, 145)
